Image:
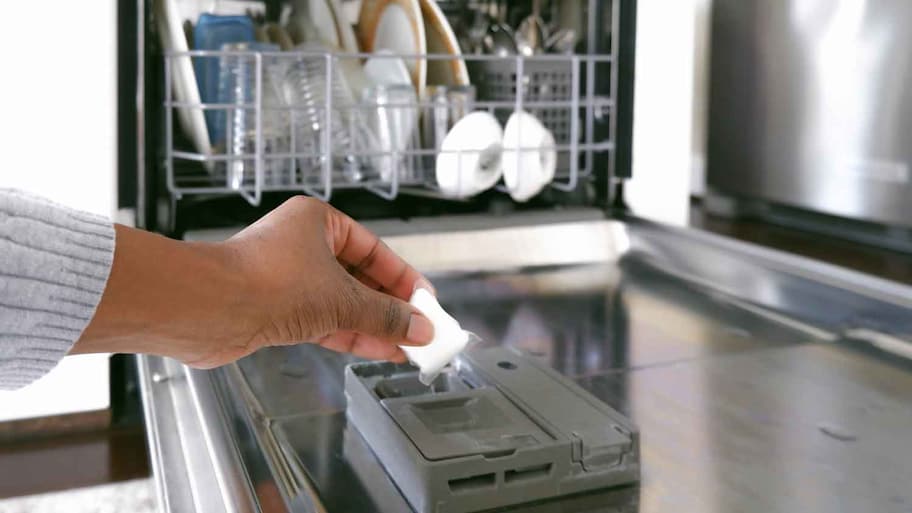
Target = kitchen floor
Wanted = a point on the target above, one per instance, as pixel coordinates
(108, 470)
(80, 465)
(136, 496)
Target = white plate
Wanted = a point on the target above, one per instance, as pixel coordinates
(346, 31)
(183, 79)
(327, 19)
(441, 40)
(529, 157)
(355, 77)
(395, 25)
(387, 70)
(479, 138)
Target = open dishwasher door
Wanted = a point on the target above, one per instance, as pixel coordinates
(759, 381)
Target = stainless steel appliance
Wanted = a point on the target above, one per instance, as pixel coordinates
(810, 107)
(759, 381)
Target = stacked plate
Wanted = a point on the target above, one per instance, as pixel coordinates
(473, 151)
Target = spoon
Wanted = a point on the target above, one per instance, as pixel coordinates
(499, 40)
(531, 35)
(562, 41)
(476, 32)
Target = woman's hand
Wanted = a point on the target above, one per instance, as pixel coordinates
(320, 276)
(304, 272)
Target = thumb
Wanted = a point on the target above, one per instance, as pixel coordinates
(389, 318)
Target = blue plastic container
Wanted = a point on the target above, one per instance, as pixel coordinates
(211, 32)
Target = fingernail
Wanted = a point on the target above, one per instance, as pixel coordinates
(420, 330)
(423, 283)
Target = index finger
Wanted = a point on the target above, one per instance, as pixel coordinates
(363, 252)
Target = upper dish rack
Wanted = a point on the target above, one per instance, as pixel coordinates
(319, 121)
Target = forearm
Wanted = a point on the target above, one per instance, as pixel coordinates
(305, 272)
(164, 297)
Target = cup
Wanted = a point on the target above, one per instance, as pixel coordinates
(237, 86)
(529, 157)
(305, 91)
(469, 160)
(445, 105)
(392, 113)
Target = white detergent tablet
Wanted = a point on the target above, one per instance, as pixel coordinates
(449, 338)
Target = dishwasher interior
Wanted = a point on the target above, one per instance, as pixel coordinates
(401, 110)
(758, 381)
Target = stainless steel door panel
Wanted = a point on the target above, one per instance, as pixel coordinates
(760, 381)
(815, 427)
(811, 105)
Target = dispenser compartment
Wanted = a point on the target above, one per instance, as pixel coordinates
(495, 429)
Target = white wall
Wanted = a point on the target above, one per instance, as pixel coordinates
(59, 101)
(58, 108)
(702, 59)
(669, 105)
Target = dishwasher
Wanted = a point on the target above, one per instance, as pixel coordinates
(753, 380)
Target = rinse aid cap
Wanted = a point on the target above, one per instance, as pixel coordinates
(449, 338)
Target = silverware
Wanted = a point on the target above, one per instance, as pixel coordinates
(562, 41)
(568, 18)
(571, 14)
(475, 33)
(531, 33)
(279, 36)
(237, 86)
(499, 38)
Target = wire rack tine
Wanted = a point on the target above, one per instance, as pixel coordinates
(327, 133)
(169, 134)
(260, 162)
(574, 130)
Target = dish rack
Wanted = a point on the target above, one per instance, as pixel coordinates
(307, 122)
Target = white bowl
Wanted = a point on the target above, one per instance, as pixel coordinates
(529, 158)
(469, 161)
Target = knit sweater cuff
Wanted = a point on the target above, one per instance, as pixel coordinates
(54, 267)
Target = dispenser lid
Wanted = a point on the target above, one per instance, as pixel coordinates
(599, 435)
(477, 421)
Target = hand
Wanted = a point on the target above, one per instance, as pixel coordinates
(320, 276)
(303, 273)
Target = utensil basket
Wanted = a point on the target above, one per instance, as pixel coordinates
(541, 81)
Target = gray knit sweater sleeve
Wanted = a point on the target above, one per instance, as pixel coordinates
(54, 263)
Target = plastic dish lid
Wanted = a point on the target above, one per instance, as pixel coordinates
(449, 338)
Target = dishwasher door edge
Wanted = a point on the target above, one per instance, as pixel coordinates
(195, 465)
